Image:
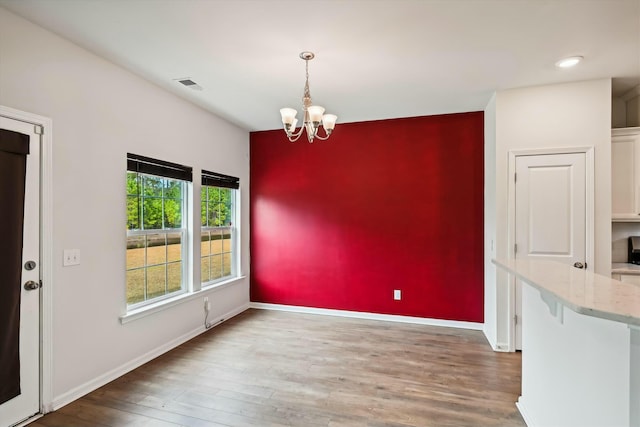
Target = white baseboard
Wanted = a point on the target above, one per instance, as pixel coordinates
(496, 346)
(77, 392)
(370, 316)
(502, 347)
(523, 411)
(29, 420)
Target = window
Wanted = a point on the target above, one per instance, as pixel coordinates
(157, 213)
(218, 232)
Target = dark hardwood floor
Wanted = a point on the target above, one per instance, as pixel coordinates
(269, 368)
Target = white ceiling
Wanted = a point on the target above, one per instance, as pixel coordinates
(375, 59)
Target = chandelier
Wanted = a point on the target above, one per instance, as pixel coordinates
(314, 115)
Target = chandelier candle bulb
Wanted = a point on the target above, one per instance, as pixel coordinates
(329, 122)
(288, 115)
(313, 115)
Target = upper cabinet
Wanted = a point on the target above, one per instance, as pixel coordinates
(625, 174)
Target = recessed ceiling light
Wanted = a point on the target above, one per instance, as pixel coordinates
(569, 62)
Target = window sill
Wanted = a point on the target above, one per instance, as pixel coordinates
(170, 302)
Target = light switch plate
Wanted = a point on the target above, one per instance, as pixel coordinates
(71, 257)
(397, 294)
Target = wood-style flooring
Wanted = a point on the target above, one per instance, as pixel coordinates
(270, 368)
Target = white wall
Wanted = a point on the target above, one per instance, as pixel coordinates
(100, 112)
(634, 373)
(618, 113)
(626, 109)
(563, 115)
(490, 291)
(576, 369)
(633, 111)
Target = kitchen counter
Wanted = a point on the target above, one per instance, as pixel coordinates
(580, 346)
(625, 268)
(580, 290)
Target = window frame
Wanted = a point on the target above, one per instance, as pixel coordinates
(233, 231)
(145, 166)
(184, 251)
(190, 231)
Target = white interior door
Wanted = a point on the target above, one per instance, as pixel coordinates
(27, 403)
(550, 214)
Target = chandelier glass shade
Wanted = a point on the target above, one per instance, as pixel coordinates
(313, 115)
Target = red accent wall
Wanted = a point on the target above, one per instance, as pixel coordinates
(382, 205)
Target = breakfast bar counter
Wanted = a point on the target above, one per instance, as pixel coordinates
(580, 346)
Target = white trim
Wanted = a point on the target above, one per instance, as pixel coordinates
(189, 236)
(196, 259)
(29, 420)
(370, 316)
(590, 163)
(46, 249)
(494, 345)
(195, 227)
(98, 382)
(149, 309)
(630, 131)
(523, 411)
(501, 347)
(511, 220)
(237, 238)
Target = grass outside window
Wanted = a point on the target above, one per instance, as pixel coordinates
(217, 236)
(155, 237)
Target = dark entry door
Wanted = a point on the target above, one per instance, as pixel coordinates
(19, 271)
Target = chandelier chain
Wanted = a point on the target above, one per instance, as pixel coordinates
(306, 98)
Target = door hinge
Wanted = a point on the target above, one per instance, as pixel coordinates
(515, 319)
(38, 129)
(515, 177)
(515, 248)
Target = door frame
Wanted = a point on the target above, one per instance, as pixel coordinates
(511, 218)
(46, 250)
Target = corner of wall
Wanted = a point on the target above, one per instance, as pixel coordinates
(548, 117)
(490, 297)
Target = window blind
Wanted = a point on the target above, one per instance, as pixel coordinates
(14, 142)
(219, 180)
(137, 163)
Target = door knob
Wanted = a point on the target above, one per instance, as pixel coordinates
(578, 264)
(31, 285)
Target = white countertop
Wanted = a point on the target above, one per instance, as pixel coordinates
(582, 291)
(625, 268)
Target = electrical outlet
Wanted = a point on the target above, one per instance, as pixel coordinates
(71, 257)
(397, 294)
(206, 304)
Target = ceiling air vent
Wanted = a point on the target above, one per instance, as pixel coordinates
(189, 83)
